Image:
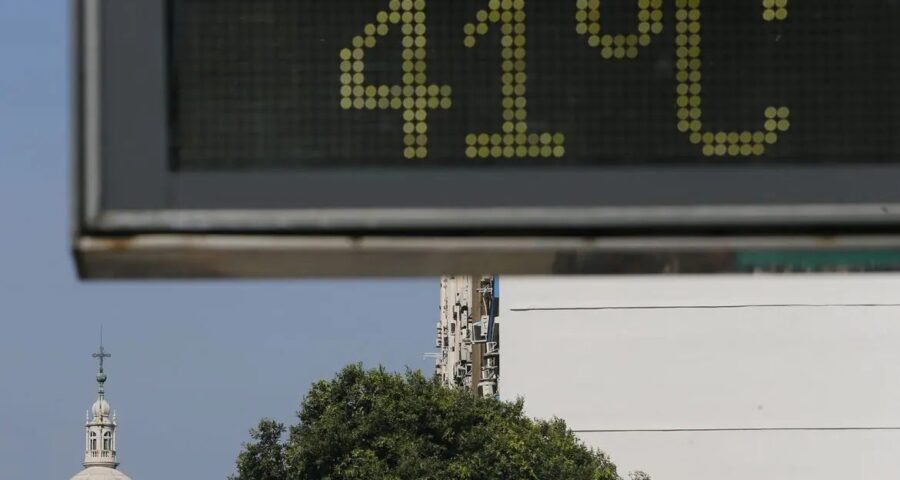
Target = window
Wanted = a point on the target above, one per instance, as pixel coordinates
(93, 440)
(107, 441)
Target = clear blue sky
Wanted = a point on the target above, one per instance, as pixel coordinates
(194, 366)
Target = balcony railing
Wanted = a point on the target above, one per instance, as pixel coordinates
(101, 454)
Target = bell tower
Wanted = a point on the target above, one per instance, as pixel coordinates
(100, 427)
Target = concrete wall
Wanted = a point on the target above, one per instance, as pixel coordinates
(714, 377)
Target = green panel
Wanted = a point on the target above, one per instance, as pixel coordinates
(835, 260)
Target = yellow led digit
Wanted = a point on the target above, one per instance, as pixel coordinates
(587, 22)
(689, 88)
(414, 97)
(514, 140)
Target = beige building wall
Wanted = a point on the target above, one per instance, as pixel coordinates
(711, 378)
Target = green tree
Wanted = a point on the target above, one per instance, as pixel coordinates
(263, 459)
(375, 425)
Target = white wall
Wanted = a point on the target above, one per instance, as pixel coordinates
(755, 377)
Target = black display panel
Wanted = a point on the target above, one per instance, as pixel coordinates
(294, 84)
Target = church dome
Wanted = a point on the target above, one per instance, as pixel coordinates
(100, 473)
(100, 408)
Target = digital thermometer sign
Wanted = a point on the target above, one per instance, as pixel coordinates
(283, 138)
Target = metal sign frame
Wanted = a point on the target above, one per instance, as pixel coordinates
(135, 218)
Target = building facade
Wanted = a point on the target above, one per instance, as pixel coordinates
(468, 334)
(705, 378)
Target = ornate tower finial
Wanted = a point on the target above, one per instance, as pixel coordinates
(100, 429)
(101, 354)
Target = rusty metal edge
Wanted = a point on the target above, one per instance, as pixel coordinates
(261, 256)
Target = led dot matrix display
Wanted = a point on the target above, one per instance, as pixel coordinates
(523, 83)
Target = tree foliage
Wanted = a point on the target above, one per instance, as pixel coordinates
(264, 458)
(375, 425)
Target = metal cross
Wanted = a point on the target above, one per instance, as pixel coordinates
(101, 354)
